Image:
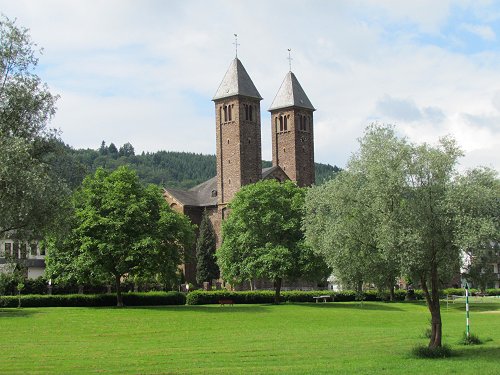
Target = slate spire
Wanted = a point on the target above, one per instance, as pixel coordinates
(291, 94)
(236, 82)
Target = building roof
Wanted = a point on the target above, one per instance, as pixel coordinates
(236, 82)
(205, 194)
(291, 94)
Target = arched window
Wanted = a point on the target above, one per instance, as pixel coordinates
(276, 124)
(281, 123)
(285, 126)
(225, 113)
(229, 112)
(250, 112)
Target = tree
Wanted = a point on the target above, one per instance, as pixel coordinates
(402, 207)
(119, 229)
(480, 269)
(477, 218)
(112, 150)
(103, 149)
(30, 188)
(206, 265)
(263, 236)
(127, 150)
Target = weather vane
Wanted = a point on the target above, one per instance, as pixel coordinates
(290, 58)
(236, 44)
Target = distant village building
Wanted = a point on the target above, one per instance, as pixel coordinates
(239, 151)
(27, 254)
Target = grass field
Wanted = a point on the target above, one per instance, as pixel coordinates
(244, 339)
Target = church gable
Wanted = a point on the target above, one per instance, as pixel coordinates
(276, 173)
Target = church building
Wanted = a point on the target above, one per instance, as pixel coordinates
(239, 151)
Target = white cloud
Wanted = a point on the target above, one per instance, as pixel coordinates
(145, 72)
(483, 31)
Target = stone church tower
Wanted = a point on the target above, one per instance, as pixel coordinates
(237, 121)
(292, 132)
(239, 150)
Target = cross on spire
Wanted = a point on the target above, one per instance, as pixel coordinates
(290, 58)
(236, 44)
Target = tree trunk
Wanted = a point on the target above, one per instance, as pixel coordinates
(119, 297)
(277, 288)
(432, 299)
(392, 297)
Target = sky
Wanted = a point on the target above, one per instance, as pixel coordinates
(145, 71)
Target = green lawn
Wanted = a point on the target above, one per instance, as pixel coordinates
(244, 339)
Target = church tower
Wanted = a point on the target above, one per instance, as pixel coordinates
(237, 120)
(292, 132)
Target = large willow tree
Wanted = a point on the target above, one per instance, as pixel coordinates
(30, 189)
(403, 209)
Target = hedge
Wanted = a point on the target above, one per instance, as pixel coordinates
(95, 300)
(461, 292)
(199, 297)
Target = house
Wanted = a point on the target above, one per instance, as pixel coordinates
(29, 254)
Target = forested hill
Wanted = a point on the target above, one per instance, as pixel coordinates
(167, 168)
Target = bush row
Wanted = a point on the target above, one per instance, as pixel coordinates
(199, 297)
(95, 300)
(461, 292)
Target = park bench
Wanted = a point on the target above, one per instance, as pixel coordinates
(225, 301)
(324, 298)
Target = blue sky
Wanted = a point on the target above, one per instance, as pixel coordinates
(145, 71)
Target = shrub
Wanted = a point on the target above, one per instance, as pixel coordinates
(35, 286)
(493, 292)
(472, 339)
(95, 300)
(400, 295)
(345, 296)
(199, 297)
(300, 296)
(428, 352)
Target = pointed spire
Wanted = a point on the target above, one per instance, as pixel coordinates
(236, 82)
(291, 94)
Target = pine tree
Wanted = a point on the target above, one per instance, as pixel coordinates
(206, 267)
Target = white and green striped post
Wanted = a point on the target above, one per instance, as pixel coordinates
(467, 328)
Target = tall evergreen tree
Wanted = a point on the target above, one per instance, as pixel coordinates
(113, 150)
(206, 266)
(103, 150)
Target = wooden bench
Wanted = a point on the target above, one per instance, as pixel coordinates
(226, 301)
(324, 298)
